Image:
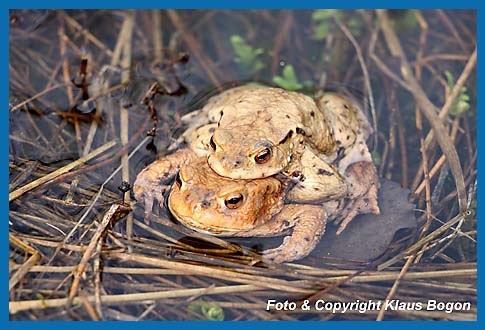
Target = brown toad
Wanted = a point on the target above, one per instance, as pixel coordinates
(155, 179)
(209, 203)
(261, 131)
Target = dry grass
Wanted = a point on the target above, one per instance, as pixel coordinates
(78, 131)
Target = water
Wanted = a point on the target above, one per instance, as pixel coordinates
(77, 89)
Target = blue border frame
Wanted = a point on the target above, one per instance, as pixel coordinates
(247, 4)
(207, 4)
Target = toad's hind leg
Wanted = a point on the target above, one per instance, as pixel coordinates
(154, 180)
(308, 222)
(362, 197)
(317, 180)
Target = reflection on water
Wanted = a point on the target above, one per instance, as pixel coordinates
(81, 79)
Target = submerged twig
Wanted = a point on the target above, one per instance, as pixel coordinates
(365, 72)
(424, 240)
(115, 213)
(166, 270)
(393, 290)
(425, 105)
(127, 36)
(88, 34)
(195, 48)
(17, 306)
(34, 184)
(36, 96)
(26, 266)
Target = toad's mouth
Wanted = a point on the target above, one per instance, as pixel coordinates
(205, 221)
(204, 228)
(198, 224)
(248, 171)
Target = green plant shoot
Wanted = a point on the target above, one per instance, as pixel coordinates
(209, 311)
(246, 56)
(289, 81)
(461, 104)
(323, 19)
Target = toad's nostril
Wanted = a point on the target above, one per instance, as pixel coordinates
(237, 163)
(205, 204)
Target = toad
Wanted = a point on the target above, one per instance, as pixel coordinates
(326, 184)
(206, 202)
(261, 131)
(272, 206)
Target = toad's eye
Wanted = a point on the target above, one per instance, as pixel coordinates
(178, 180)
(212, 143)
(234, 201)
(263, 156)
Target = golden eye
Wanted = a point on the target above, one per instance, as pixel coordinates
(234, 201)
(212, 143)
(263, 156)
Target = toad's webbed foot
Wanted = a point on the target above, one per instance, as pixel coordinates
(155, 180)
(148, 196)
(309, 226)
(362, 196)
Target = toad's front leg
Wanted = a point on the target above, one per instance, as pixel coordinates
(155, 179)
(308, 224)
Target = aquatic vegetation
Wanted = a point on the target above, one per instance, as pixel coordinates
(247, 56)
(289, 81)
(324, 23)
(405, 21)
(461, 104)
(207, 310)
(135, 82)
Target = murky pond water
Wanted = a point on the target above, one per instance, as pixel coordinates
(95, 96)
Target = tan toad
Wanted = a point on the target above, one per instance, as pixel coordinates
(261, 131)
(153, 181)
(321, 170)
(209, 203)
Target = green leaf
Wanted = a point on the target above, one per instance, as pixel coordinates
(196, 308)
(288, 81)
(406, 21)
(355, 25)
(209, 311)
(322, 14)
(323, 20)
(324, 23)
(449, 79)
(320, 31)
(461, 104)
(376, 158)
(246, 56)
(213, 313)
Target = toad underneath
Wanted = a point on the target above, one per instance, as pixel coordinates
(206, 202)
